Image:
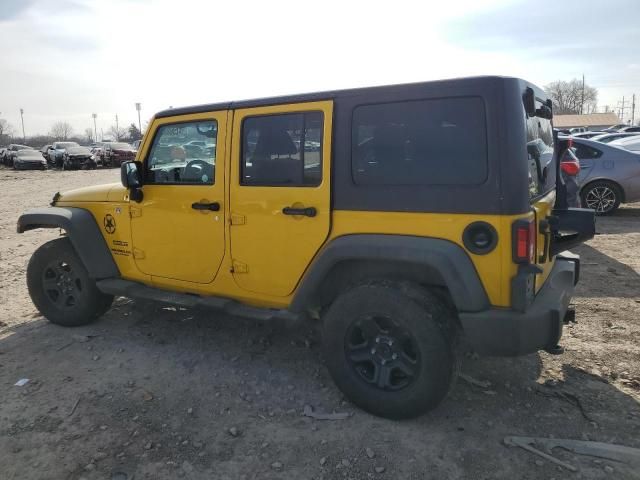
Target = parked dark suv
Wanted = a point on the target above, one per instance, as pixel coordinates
(115, 154)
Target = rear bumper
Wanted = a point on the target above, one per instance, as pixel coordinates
(506, 332)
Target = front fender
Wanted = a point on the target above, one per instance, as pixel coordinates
(83, 231)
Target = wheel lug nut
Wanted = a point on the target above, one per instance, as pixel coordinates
(390, 343)
(383, 361)
(373, 351)
(394, 356)
(377, 339)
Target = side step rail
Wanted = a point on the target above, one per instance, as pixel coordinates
(135, 290)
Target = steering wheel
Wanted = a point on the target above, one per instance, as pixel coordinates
(192, 172)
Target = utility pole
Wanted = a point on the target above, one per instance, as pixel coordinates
(633, 109)
(622, 106)
(24, 137)
(138, 108)
(95, 128)
(582, 100)
(117, 129)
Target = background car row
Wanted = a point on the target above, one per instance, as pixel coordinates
(67, 155)
(608, 173)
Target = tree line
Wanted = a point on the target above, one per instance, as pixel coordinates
(572, 97)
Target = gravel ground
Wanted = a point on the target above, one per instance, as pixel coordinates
(159, 392)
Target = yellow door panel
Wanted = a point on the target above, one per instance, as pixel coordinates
(178, 230)
(279, 193)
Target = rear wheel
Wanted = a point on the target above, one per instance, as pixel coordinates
(603, 197)
(390, 349)
(60, 287)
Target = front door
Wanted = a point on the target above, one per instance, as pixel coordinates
(280, 200)
(178, 229)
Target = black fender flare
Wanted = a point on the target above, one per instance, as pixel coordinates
(439, 261)
(83, 231)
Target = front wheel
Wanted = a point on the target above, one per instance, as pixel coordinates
(390, 348)
(60, 287)
(602, 196)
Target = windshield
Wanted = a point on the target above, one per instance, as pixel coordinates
(27, 153)
(63, 145)
(121, 146)
(77, 150)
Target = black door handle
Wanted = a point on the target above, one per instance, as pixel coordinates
(307, 212)
(213, 206)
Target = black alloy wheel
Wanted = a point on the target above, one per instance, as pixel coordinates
(383, 353)
(390, 347)
(60, 286)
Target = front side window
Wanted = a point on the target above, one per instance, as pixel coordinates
(183, 153)
(283, 150)
(427, 142)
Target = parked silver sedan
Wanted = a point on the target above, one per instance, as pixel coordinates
(608, 175)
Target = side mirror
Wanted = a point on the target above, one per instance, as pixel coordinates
(131, 178)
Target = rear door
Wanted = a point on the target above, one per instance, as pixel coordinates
(279, 193)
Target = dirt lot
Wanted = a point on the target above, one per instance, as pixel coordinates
(159, 392)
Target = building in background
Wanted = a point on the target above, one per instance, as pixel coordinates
(592, 121)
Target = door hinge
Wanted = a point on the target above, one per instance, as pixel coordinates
(237, 219)
(239, 267)
(137, 253)
(135, 212)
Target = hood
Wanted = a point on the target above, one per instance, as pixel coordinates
(112, 192)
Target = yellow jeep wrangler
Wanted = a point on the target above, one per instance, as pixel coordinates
(407, 218)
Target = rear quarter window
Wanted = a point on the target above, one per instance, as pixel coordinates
(426, 142)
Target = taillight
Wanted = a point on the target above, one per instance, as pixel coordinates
(524, 241)
(570, 168)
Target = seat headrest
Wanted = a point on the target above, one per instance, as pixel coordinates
(274, 141)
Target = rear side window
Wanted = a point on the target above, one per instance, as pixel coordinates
(283, 150)
(427, 142)
(584, 152)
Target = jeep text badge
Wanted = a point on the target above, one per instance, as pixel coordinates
(109, 223)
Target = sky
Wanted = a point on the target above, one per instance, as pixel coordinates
(62, 60)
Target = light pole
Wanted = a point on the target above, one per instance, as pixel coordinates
(24, 137)
(95, 128)
(138, 108)
(117, 129)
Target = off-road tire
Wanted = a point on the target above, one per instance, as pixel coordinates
(603, 188)
(60, 287)
(429, 324)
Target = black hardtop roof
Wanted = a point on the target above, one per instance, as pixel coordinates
(398, 89)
